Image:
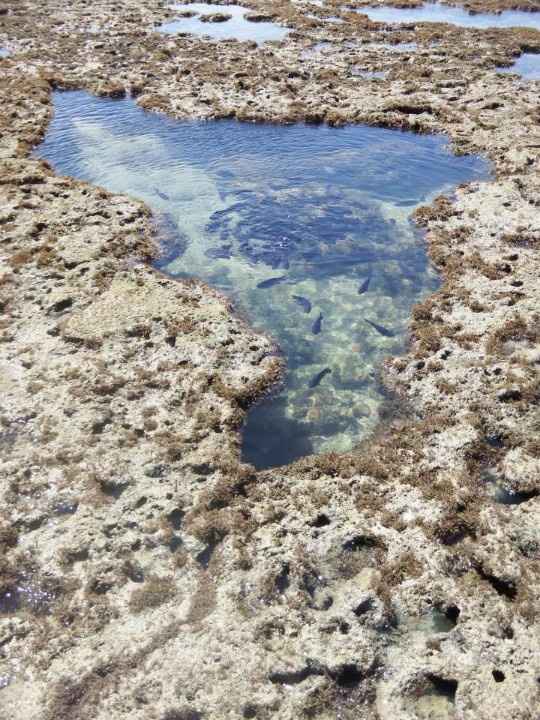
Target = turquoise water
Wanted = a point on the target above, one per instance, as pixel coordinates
(437, 12)
(237, 27)
(527, 65)
(305, 227)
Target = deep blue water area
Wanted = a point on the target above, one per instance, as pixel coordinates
(306, 228)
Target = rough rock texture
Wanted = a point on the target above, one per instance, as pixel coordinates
(144, 571)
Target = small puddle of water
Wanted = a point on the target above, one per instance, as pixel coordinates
(4, 52)
(437, 12)
(236, 28)
(305, 227)
(402, 47)
(527, 65)
(368, 74)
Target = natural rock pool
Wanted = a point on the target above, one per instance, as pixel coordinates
(437, 12)
(237, 27)
(527, 65)
(306, 228)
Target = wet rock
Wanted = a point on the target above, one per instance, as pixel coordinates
(215, 17)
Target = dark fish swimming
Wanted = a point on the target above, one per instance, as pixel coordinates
(380, 329)
(172, 242)
(317, 325)
(271, 282)
(364, 287)
(160, 194)
(316, 379)
(222, 252)
(303, 302)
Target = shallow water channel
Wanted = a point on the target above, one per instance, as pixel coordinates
(306, 228)
(437, 12)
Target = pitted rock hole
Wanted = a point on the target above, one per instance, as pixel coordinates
(294, 677)
(28, 593)
(452, 614)
(503, 587)
(321, 521)
(442, 686)
(205, 556)
(348, 676)
(433, 698)
(509, 497)
(282, 580)
(306, 228)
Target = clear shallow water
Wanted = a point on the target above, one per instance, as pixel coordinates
(527, 65)
(436, 12)
(322, 209)
(237, 28)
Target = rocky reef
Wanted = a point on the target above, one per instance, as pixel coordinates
(145, 571)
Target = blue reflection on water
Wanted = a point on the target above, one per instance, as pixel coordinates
(305, 227)
(437, 12)
(526, 65)
(237, 27)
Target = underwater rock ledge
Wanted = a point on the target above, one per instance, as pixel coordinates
(145, 573)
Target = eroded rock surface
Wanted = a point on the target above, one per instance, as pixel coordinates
(144, 571)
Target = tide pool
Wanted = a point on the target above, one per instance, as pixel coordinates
(437, 12)
(237, 27)
(306, 228)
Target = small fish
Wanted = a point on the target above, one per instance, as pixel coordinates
(317, 325)
(217, 253)
(160, 194)
(278, 261)
(316, 379)
(380, 329)
(364, 287)
(271, 282)
(303, 302)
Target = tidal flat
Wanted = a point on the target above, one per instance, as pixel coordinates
(147, 569)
